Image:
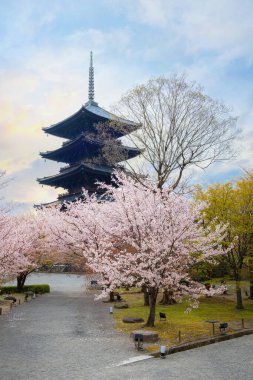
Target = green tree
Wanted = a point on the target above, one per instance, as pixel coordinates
(232, 203)
(245, 193)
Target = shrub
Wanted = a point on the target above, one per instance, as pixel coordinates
(40, 288)
(201, 272)
(221, 270)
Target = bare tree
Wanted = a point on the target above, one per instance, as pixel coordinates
(181, 127)
(3, 180)
(4, 206)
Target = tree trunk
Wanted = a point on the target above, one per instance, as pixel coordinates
(153, 292)
(239, 304)
(251, 290)
(251, 278)
(167, 298)
(146, 295)
(21, 281)
(111, 296)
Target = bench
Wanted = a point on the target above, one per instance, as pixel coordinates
(138, 341)
(162, 316)
(117, 297)
(11, 298)
(223, 327)
(28, 293)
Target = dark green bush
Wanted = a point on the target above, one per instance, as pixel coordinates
(204, 271)
(221, 270)
(40, 288)
(201, 271)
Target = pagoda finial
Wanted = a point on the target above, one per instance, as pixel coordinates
(91, 101)
(91, 79)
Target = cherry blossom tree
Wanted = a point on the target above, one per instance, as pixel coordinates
(62, 236)
(36, 251)
(139, 236)
(22, 247)
(13, 244)
(21, 241)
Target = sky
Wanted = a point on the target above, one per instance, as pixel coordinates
(45, 47)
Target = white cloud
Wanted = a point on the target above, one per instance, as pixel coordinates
(49, 81)
(221, 26)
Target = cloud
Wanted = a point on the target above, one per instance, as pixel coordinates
(45, 58)
(223, 27)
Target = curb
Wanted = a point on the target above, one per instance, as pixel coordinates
(204, 342)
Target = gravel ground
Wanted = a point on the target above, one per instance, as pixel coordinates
(69, 336)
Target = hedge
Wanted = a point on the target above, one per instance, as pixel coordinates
(40, 288)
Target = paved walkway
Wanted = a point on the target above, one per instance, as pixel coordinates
(230, 360)
(64, 336)
(60, 336)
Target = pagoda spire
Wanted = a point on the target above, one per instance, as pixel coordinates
(91, 79)
(91, 92)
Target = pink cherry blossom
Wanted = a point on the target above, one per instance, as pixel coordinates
(137, 235)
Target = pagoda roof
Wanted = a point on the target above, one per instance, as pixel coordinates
(82, 148)
(83, 174)
(68, 198)
(84, 120)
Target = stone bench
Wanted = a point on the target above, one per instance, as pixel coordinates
(132, 320)
(148, 336)
(121, 305)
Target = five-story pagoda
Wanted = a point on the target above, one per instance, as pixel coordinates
(83, 150)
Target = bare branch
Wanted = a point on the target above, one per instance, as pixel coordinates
(181, 127)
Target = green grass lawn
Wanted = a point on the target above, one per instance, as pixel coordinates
(192, 325)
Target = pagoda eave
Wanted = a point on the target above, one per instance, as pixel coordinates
(81, 149)
(84, 121)
(82, 175)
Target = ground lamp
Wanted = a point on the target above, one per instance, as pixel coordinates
(162, 352)
(110, 310)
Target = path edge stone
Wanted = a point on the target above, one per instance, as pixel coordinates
(203, 342)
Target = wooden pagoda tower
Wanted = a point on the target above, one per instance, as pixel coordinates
(82, 150)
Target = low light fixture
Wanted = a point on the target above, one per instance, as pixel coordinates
(162, 352)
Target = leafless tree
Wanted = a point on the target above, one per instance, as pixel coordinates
(181, 127)
(4, 206)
